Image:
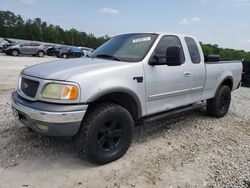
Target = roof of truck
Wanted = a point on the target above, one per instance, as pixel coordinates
(177, 34)
(163, 33)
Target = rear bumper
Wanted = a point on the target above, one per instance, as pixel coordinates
(48, 119)
(246, 80)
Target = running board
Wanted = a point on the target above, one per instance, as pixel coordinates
(167, 114)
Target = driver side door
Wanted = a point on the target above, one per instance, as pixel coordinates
(167, 87)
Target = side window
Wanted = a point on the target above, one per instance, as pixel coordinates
(34, 44)
(25, 44)
(165, 43)
(193, 50)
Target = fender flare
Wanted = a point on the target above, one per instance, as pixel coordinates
(221, 83)
(120, 90)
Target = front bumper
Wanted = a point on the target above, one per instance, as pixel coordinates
(7, 51)
(49, 119)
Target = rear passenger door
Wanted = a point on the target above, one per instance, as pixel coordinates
(198, 72)
(24, 48)
(33, 48)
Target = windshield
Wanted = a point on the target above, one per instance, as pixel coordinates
(128, 47)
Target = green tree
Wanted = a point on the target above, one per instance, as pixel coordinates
(13, 26)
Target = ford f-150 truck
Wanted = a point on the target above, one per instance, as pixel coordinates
(129, 79)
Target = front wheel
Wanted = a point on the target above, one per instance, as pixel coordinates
(14, 52)
(106, 133)
(218, 106)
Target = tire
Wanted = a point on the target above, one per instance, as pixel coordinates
(64, 56)
(105, 134)
(40, 54)
(218, 106)
(14, 52)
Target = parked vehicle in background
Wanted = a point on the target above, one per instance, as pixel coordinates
(68, 52)
(86, 51)
(5, 43)
(51, 50)
(2, 43)
(246, 74)
(26, 48)
(130, 79)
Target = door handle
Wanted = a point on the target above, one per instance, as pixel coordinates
(187, 74)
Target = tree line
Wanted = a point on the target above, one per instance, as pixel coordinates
(225, 53)
(13, 26)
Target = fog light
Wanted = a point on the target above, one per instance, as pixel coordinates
(43, 128)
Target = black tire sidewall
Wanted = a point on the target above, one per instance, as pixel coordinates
(223, 90)
(94, 152)
(39, 54)
(12, 52)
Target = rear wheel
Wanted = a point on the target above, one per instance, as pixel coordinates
(65, 56)
(40, 54)
(218, 106)
(14, 52)
(106, 133)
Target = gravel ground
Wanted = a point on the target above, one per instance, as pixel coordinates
(191, 150)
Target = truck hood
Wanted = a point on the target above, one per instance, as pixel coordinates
(63, 69)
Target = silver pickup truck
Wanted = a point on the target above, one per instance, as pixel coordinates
(129, 79)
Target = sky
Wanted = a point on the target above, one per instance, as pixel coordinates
(222, 22)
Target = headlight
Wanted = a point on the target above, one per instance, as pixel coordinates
(60, 91)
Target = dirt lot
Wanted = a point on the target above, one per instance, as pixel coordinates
(192, 150)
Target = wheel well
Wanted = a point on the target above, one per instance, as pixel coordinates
(41, 51)
(16, 50)
(123, 99)
(228, 82)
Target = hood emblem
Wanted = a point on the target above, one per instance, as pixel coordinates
(25, 85)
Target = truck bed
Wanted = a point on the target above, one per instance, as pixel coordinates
(215, 73)
(222, 62)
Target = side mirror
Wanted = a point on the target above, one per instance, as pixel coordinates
(154, 60)
(173, 56)
(158, 60)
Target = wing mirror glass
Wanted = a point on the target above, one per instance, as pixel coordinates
(173, 56)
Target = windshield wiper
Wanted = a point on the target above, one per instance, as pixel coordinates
(108, 57)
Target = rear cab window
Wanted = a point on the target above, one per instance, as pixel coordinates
(193, 50)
